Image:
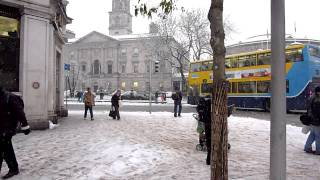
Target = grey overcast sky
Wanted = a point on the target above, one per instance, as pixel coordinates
(249, 17)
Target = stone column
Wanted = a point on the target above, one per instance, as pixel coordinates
(35, 38)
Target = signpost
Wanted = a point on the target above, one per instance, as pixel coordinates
(66, 69)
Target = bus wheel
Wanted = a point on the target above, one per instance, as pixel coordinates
(267, 105)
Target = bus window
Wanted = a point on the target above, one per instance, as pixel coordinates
(194, 67)
(263, 86)
(229, 88)
(253, 60)
(264, 59)
(294, 55)
(210, 65)
(314, 52)
(204, 66)
(234, 62)
(228, 63)
(247, 87)
(243, 62)
(234, 87)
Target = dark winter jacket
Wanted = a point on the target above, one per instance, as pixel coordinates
(177, 97)
(115, 100)
(11, 113)
(314, 110)
(204, 111)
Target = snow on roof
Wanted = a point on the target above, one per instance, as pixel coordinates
(133, 36)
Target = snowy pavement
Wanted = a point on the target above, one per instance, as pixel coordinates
(142, 146)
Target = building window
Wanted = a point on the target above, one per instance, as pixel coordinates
(135, 67)
(96, 67)
(135, 84)
(109, 52)
(123, 52)
(117, 20)
(148, 67)
(135, 52)
(123, 68)
(9, 48)
(123, 85)
(109, 68)
(83, 68)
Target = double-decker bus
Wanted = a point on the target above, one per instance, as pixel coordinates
(249, 77)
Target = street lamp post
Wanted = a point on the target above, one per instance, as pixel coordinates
(278, 94)
(150, 70)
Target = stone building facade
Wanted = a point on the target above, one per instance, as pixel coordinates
(31, 37)
(121, 60)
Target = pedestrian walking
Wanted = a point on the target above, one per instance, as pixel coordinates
(79, 96)
(12, 114)
(313, 112)
(88, 100)
(177, 98)
(115, 103)
(156, 95)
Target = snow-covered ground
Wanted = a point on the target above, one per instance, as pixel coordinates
(157, 146)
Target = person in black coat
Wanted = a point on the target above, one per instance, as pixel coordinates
(204, 111)
(12, 114)
(115, 103)
(313, 111)
(177, 98)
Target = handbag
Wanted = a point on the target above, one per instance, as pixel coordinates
(305, 119)
(112, 112)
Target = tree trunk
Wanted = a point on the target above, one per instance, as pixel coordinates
(219, 131)
(219, 126)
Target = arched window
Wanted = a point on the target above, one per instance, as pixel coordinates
(96, 67)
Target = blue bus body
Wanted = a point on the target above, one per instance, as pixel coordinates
(302, 78)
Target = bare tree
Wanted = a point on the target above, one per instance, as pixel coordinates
(195, 27)
(73, 78)
(177, 46)
(219, 157)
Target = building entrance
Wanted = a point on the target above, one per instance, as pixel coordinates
(9, 48)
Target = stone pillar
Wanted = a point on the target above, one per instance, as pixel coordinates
(51, 78)
(35, 45)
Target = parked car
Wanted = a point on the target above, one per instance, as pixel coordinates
(133, 95)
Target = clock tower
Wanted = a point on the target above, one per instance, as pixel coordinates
(120, 19)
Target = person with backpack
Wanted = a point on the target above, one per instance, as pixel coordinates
(313, 112)
(12, 114)
(88, 100)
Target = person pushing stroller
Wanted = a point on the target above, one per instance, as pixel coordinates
(204, 116)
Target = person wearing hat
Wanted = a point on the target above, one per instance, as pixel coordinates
(313, 111)
(12, 114)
